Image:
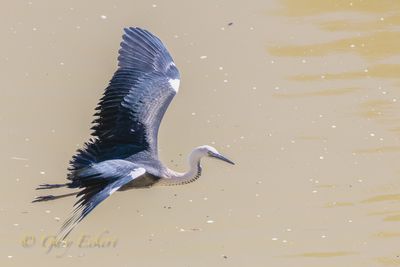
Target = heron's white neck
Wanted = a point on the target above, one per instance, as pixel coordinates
(178, 178)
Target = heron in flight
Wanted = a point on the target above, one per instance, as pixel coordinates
(122, 153)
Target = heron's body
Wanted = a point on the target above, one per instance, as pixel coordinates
(123, 152)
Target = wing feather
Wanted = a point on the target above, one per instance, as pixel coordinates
(129, 114)
(94, 194)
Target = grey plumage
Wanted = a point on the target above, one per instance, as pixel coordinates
(123, 152)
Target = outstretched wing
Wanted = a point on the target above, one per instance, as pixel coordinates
(130, 112)
(99, 182)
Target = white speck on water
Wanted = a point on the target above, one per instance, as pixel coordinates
(274, 239)
(42, 172)
(394, 100)
(18, 158)
(314, 191)
(9, 256)
(103, 17)
(15, 224)
(47, 211)
(288, 230)
(57, 218)
(210, 221)
(34, 29)
(225, 81)
(193, 113)
(366, 70)
(372, 134)
(205, 198)
(284, 241)
(333, 126)
(276, 88)
(62, 63)
(220, 68)
(382, 19)
(323, 236)
(350, 221)
(272, 61)
(203, 57)
(190, 200)
(154, 5)
(27, 139)
(303, 61)
(352, 46)
(321, 157)
(254, 88)
(17, 179)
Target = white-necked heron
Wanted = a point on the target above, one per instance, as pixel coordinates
(123, 152)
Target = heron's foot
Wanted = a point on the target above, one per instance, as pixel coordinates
(44, 198)
(49, 186)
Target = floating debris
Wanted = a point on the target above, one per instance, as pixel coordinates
(190, 229)
(19, 158)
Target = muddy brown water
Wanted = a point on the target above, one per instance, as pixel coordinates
(302, 95)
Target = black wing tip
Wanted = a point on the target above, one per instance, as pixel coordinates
(128, 30)
(140, 35)
(140, 49)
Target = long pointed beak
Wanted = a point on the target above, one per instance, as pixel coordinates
(219, 156)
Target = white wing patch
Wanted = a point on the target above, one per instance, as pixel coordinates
(174, 84)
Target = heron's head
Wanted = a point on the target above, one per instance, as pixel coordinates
(209, 151)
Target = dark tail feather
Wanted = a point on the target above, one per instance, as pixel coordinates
(50, 186)
(51, 197)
